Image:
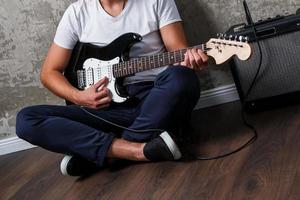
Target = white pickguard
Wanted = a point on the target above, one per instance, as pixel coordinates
(96, 69)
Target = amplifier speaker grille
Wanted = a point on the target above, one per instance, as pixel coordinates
(280, 70)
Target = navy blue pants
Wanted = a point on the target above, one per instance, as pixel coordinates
(165, 104)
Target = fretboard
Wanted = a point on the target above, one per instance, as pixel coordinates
(151, 62)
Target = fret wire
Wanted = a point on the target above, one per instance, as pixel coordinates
(116, 70)
(122, 69)
(132, 67)
(125, 68)
(153, 61)
(149, 63)
(138, 64)
(181, 55)
(119, 70)
(158, 59)
(171, 58)
(175, 57)
(130, 63)
(141, 64)
(128, 66)
(168, 57)
(144, 62)
(137, 67)
(113, 67)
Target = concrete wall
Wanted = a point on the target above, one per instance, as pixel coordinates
(27, 28)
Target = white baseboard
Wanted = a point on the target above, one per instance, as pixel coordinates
(208, 98)
(217, 96)
(12, 145)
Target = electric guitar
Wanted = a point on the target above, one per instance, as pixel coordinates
(90, 63)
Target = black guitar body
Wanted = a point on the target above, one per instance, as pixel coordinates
(120, 47)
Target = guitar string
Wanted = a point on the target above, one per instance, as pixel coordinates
(144, 61)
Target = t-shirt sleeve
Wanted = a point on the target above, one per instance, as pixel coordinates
(167, 12)
(67, 33)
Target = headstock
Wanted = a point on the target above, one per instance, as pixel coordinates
(224, 47)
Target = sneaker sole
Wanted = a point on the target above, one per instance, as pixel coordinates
(171, 145)
(64, 164)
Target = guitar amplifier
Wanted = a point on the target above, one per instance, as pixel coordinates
(278, 82)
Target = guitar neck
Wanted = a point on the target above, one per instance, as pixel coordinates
(151, 62)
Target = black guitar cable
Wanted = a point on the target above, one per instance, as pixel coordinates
(243, 114)
(119, 126)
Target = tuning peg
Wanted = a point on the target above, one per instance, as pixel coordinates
(247, 39)
(225, 36)
(230, 37)
(219, 35)
(241, 38)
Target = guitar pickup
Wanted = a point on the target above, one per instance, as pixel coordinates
(81, 80)
(89, 77)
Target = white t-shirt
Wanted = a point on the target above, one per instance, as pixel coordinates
(87, 21)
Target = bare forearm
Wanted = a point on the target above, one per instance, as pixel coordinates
(58, 84)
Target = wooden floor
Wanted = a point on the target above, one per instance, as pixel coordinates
(269, 169)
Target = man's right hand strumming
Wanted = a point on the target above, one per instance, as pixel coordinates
(97, 96)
